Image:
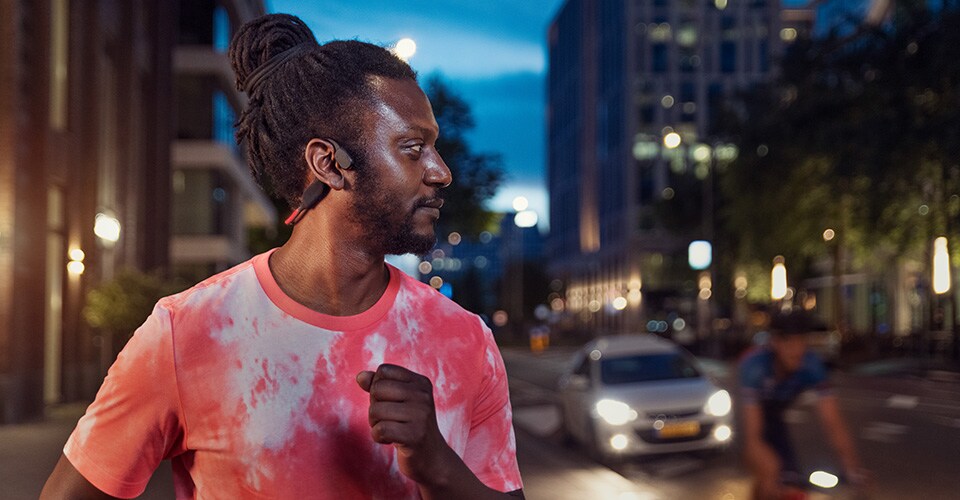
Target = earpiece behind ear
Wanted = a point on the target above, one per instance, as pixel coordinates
(342, 156)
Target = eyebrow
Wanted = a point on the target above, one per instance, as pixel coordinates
(423, 130)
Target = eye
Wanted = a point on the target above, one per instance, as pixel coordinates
(418, 148)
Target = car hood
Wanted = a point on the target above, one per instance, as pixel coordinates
(670, 396)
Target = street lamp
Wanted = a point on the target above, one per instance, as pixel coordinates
(778, 279)
(672, 140)
(405, 48)
(107, 228)
(941, 266)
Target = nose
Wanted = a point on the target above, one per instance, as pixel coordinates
(437, 173)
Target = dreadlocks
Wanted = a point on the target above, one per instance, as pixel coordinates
(314, 91)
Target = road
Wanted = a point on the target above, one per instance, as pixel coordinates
(907, 428)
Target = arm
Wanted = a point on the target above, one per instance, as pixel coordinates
(402, 413)
(761, 459)
(840, 439)
(137, 401)
(65, 483)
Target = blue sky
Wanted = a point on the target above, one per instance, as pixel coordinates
(492, 52)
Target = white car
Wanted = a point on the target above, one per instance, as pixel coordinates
(642, 394)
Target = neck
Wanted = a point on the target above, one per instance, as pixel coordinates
(326, 270)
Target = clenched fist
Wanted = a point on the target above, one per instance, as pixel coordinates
(402, 413)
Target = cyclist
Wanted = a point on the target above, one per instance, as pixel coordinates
(772, 376)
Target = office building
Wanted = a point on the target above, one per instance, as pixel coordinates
(634, 88)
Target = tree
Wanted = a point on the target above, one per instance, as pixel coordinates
(476, 176)
(863, 132)
(119, 306)
(859, 134)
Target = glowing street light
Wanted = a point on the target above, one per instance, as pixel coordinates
(405, 48)
(75, 267)
(107, 228)
(941, 266)
(526, 218)
(700, 254)
(778, 279)
(520, 203)
(672, 140)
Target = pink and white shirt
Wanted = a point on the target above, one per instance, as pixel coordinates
(253, 395)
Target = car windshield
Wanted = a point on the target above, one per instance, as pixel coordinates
(646, 368)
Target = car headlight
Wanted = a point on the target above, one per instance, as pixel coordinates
(615, 412)
(719, 404)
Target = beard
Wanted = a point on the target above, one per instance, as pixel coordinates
(388, 231)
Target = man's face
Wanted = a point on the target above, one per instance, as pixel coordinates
(401, 173)
(789, 351)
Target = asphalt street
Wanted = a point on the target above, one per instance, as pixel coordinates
(906, 424)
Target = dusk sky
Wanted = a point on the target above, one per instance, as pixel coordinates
(493, 53)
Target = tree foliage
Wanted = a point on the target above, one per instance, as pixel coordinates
(860, 134)
(476, 176)
(120, 305)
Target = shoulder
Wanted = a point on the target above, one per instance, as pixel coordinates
(212, 290)
(432, 305)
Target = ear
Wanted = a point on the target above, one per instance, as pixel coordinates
(321, 159)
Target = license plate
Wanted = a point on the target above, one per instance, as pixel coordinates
(680, 430)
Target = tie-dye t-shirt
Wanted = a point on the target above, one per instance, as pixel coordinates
(253, 395)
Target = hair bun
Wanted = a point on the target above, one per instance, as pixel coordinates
(260, 39)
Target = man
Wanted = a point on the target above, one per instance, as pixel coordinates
(771, 378)
(315, 370)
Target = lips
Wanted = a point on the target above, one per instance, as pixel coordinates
(431, 206)
(431, 203)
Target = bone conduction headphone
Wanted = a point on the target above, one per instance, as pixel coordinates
(318, 189)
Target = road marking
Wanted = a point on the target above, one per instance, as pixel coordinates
(902, 402)
(947, 421)
(884, 432)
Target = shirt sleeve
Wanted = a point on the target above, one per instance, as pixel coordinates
(135, 420)
(815, 374)
(491, 451)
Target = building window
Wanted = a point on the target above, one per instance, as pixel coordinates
(647, 114)
(201, 201)
(221, 29)
(196, 23)
(728, 57)
(195, 103)
(223, 119)
(660, 58)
